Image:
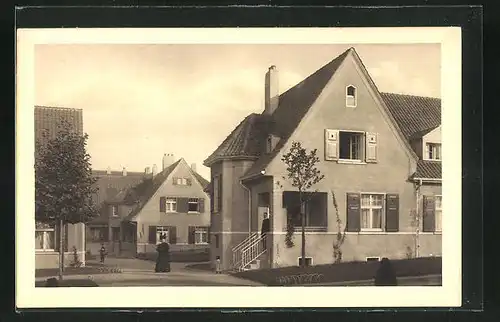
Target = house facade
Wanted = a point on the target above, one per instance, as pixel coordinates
(379, 152)
(47, 234)
(170, 202)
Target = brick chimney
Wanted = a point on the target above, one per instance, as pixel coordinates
(108, 170)
(155, 170)
(271, 96)
(124, 172)
(193, 167)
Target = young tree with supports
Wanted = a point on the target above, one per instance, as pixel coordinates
(64, 183)
(303, 174)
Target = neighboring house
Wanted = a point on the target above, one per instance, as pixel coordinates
(46, 234)
(171, 203)
(380, 154)
(106, 228)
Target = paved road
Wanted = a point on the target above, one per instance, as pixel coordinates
(136, 272)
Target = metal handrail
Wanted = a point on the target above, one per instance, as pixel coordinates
(244, 241)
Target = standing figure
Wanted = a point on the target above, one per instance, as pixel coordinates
(102, 252)
(386, 276)
(217, 265)
(266, 226)
(163, 259)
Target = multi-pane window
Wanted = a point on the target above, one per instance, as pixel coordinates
(433, 151)
(171, 205)
(98, 234)
(201, 235)
(44, 237)
(438, 213)
(161, 231)
(193, 205)
(350, 98)
(351, 145)
(182, 181)
(216, 193)
(372, 210)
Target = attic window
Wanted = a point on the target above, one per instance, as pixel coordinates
(350, 96)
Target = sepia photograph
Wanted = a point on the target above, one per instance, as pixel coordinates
(288, 165)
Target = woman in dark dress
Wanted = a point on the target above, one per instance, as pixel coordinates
(163, 259)
(386, 276)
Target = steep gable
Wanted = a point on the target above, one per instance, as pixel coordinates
(144, 192)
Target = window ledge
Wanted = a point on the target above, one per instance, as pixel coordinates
(194, 212)
(346, 161)
(45, 251)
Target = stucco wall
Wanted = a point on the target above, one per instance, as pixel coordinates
(150, 214)
(355, 248)
(389, 175)
(76, 237)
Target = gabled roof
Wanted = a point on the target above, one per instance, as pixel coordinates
(248, 138)
(412, 114)
(143, 192)
(111, 186)
(427, 170)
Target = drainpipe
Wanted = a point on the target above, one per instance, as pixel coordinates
(249, 207)
(417, 231)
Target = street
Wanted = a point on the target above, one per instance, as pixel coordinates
(136, 272)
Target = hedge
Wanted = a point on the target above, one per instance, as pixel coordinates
(87, 270)
(343, 272)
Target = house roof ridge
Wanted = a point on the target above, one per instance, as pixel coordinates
(58, 107)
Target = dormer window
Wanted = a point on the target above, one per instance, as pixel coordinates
(350, 96)
(433, 151)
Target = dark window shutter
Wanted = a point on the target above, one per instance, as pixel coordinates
(392, 213)
(284, 199)
(212, 195)
(208, 235)
(182, 205)
(201, 205)
(191, 235)
(152, 235)
(220, 192)
(189, 181)
(353, 212)
(163, 202)
(428, 214)
(172, 235)
(174, 180)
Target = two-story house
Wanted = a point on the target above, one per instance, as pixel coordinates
(138, 210)
(47, 235)
(380, 154)
(111, 189)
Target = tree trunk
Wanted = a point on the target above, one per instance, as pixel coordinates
(61, 249)
(303, 217)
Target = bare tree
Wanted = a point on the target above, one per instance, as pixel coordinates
(303, 174)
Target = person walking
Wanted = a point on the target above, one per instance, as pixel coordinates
(386, 276)
(163, 258)
(103, 253)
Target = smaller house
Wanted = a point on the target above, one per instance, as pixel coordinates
(170, 202)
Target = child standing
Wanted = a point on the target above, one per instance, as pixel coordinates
(102, 252)
(217, 265)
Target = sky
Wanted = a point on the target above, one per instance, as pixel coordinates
(141, 101)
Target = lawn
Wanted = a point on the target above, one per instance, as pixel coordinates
(70, 283)
(343, 272)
